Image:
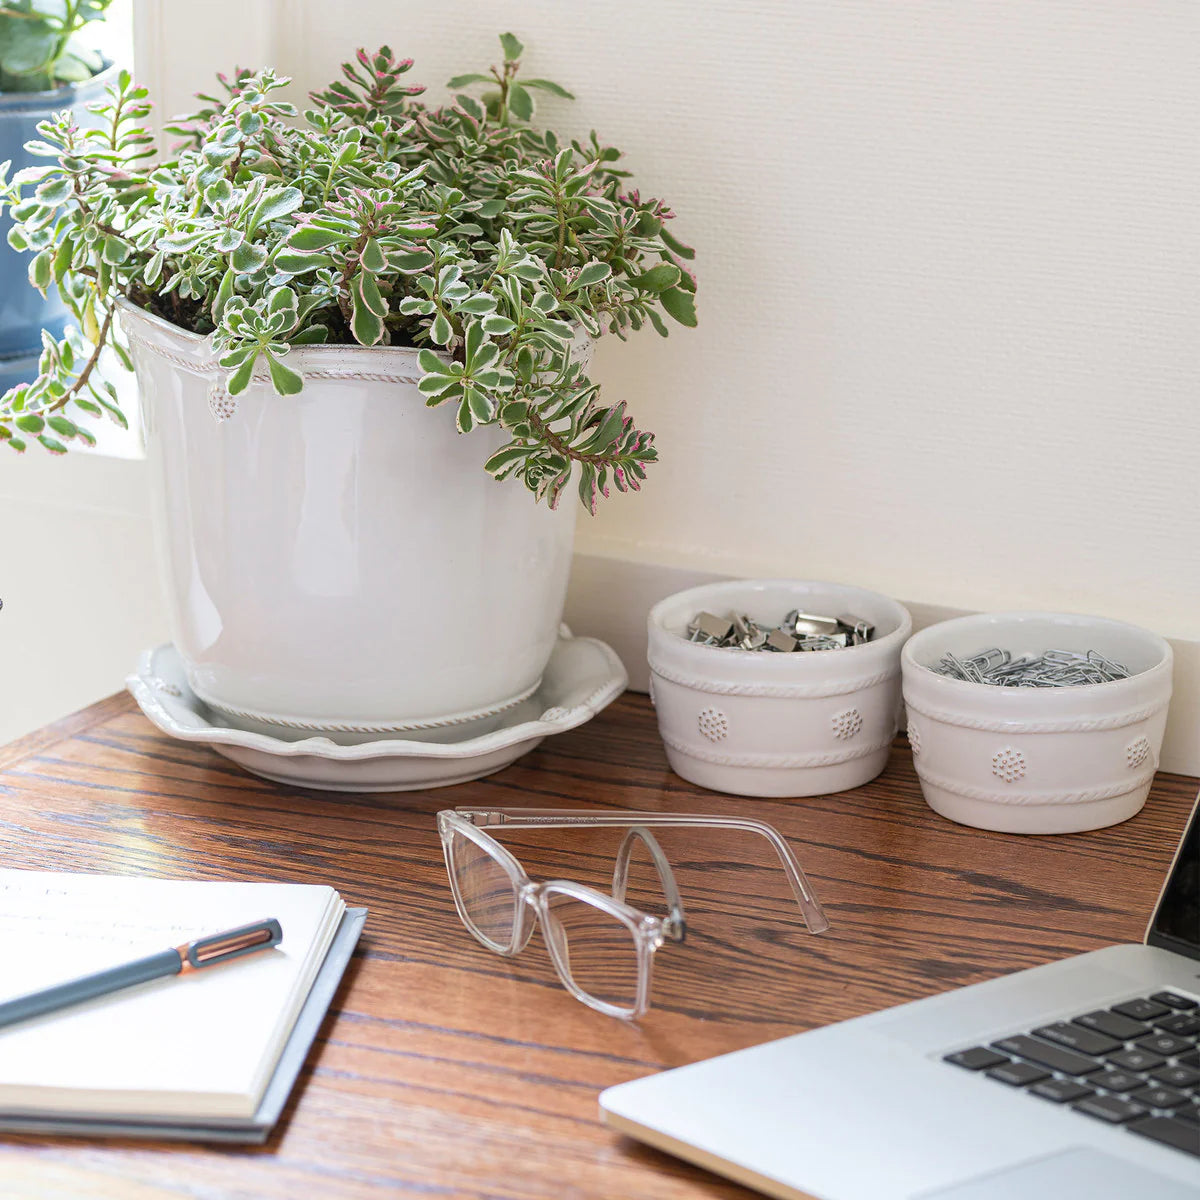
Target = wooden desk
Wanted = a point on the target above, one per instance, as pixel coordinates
(447, 1071)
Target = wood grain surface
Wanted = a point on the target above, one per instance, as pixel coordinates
(447, 1071)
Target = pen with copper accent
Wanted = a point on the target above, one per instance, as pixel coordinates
(179, 960)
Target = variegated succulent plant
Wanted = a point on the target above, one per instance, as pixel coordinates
(372, 219)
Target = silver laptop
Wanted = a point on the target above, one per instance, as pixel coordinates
(1079, 1080)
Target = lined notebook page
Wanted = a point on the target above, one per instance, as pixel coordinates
(202, 1044)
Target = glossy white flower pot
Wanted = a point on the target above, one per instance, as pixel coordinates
(338, 561)
(1037, 760)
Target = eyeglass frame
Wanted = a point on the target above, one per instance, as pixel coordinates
(531, 899)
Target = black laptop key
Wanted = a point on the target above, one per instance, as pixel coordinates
(1189, 1112)
(1113, 1024)
(1018, 1074)
(1109, 1108)
(1178, 1077)
(1142, 1010)
(1175, 1000)
(1180, 1024)
(976, 1058)
(1136, 1060)
(1170, 1131)
(1189, 1060)
(1166, 1044)
(1054, 1057)
(1060, 1090)
(1074, 1037)
(1118, 1081)
(1159, 1097)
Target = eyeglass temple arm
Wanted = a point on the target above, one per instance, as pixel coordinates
(556, 818)
(675, 926)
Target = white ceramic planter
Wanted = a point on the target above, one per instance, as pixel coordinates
(764, 724)
(338, 562)
(1037, 760)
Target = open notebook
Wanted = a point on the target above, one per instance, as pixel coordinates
(209, 1054)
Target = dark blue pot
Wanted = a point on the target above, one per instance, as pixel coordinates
(23, 312)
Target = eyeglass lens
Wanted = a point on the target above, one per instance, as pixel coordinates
(591, 947)
(486, 890)
(595, 949)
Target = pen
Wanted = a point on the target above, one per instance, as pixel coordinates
(179, 960)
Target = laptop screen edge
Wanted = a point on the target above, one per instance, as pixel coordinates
(1175, 924)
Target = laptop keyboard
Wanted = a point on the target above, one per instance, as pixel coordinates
(1136, 1065)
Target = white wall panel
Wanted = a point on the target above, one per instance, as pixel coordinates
(78, 580)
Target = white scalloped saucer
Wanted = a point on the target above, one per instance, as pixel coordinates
(582, 677)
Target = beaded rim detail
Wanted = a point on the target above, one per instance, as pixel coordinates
(1009, 764)
(714, 724)
(1137, 753)
(847, 724)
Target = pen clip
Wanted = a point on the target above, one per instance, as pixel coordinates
(221, 947)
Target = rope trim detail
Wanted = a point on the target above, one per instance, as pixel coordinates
(320, 727)
(1082, 796)
(781, 691)
(212, 367)
(832, 758)
(1072, 725)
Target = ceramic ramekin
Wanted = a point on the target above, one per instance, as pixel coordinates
(1037, 760)
(757, 723)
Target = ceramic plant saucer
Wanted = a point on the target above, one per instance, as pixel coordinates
(582, 677)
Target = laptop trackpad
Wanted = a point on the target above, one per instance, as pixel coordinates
(1072, 1175)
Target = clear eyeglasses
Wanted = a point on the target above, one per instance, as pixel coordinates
(602, 948)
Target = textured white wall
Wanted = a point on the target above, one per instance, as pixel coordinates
(949, 256)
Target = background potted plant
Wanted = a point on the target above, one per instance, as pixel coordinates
(43, 69)
(295, 293)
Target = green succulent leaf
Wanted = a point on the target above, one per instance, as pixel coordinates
(284, 380)
(366, 321)
(27, 47)
(54, 191)
(373, 258)
(409, 260)
(296, 263)
(114, 251)
(312, 237)
(365, 284)
(223, 296)
(659, 278)
(41, 271)
(277, 203)
(496, 326)
(63, 426)
(675, 245)
(248, 257)
(520, 102)
(441, 331)
(240, 379)
(680, 304)
(477, 306)
(547, 85)
(591, 274)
